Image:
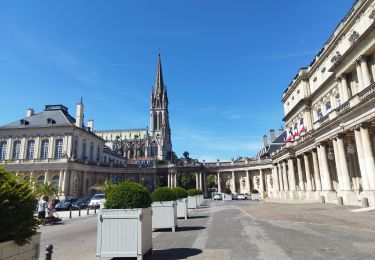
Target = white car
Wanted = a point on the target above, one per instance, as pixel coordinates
(96, 200)
(242, 196)
(217, 196)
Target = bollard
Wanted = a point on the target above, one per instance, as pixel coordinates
(49, 252)
(79, 211)
(70, 212)
(322, 199)
(365, 203)
(88, 208)
(340, 201)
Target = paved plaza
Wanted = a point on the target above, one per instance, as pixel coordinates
(240, 230)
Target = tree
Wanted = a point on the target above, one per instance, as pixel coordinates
(46, 189)
(186, 180)
(211, 183)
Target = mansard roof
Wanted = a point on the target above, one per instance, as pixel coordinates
(273, 146)
(53, 115)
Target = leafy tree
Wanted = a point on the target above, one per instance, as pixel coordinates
(46, 189)
(186, 180)
(211, 183)
(227, 191)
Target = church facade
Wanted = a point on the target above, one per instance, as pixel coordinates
(145, 145)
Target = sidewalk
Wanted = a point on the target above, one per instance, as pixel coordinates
(294, 201)
(75, 213)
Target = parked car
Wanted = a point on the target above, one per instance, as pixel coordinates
(96, 200)
(83, 203)
(242, 196)
(217, 196)
(65, 204)
(234, 197)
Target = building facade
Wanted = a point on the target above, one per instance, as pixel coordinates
(140, 145)
(330, 119)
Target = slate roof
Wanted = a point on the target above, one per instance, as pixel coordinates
(53, 115)
(272, 147)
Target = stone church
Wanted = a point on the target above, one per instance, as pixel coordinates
(142, 146)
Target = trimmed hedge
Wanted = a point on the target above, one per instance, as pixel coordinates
(180, 192)
(227, 191)
(163, 194)
(128, 195)
(194, 192)
(254, 191)
(17, 205)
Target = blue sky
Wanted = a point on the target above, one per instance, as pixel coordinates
(225, 63)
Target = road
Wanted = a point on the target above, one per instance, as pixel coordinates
(228, 230)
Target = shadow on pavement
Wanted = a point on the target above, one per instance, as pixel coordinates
(174, 253)
(187, 228)
(194, 217)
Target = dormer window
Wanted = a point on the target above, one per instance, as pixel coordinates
(50, 121)
(24, 122)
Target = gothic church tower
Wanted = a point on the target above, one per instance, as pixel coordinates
(160, 145)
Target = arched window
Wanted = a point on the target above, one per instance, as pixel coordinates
(40, 179)
(30, 149)
(3, 150)
(16, 149)
(328, 107)
(338, 101)
(160, 120)
(319, 114)
(44, 149)
(58, 148)
(154, 149)
(155, 122)
(55, 180)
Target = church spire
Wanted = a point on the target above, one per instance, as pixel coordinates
(159, 83)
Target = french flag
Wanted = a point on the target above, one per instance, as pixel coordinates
(295, 132)
(302, 128)
(289, 137)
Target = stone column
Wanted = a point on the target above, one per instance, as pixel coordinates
(261, 183)
(247, 181)
(285, 178)
(46, 177)
(307, 172)
(365, 72)
(169, 180)
(318, 183)
(64, 183)
(359, 75)
(368, 155)
(337, 162)
(344, 171)
(344, 91)
(280, 175)
(361, 159)
(196, 181)
(60, 182)
(292, 175)
(175, 179)
(301, 183)
(201, 181)
(275, 179)
(327, 183)
(218, 182)
(84, 188)
(233, 182)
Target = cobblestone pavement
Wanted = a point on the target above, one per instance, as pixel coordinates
(240, 230)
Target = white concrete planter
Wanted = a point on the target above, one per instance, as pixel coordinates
(199, 200)
(10, 250)
(227, 196)
(182, 208)
(192, 202)
(164, 215)
(255, 196)
(124, 233)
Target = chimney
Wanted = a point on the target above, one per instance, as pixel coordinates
(29, 112)
(272, 135)
(90, 124)
(265, 141)
(79, 114)
(280, 131)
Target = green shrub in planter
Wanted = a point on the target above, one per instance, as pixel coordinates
(227, 191)
(17, 204)
(180, 192)
(194, 192)
(254, 191)
(163, 194)
(128, 195)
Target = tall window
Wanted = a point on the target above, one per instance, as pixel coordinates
(30, 148)
(44, 149)
(338, 101)
(328, 107)
(16, 149)
(154, 149)
(84, 150)
(58, 148)
(55, 180)
(98, 153)
(75, 147)
(91, 152)
(319, 114)
(3, 150)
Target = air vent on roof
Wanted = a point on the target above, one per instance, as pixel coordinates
(24, 122)
(50, 121)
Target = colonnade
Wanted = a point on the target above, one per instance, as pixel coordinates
(341, 166)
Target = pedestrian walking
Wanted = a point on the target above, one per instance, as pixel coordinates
(42, 205)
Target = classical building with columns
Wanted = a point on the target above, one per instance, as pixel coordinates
(52, 146)
(330, 119)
